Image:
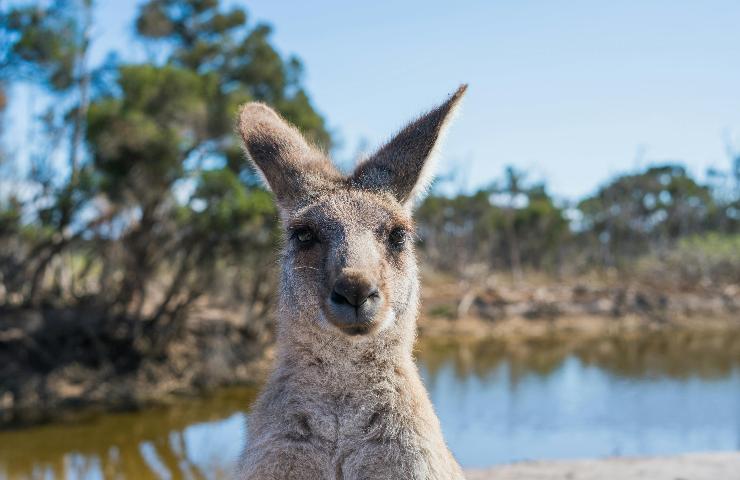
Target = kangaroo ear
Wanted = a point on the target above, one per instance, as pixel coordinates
(403, 166)
(290, 167)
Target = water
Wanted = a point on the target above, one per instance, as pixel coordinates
(498, 403)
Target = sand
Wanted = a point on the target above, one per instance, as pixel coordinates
(704, 466)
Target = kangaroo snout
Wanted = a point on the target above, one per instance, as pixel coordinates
(354, 302)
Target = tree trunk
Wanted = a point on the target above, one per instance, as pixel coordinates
(83, 86)
(513, 241)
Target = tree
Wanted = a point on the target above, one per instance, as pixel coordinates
(649, 209)
(49, 45)
(205, 39)
(493, 226)
(513, 192)
(162, 207)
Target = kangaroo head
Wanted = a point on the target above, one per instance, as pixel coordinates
(348, 260)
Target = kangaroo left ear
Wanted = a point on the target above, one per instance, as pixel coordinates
(294, 170)
(403, 166)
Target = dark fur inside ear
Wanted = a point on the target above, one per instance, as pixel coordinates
(402, 165)
(294, 170)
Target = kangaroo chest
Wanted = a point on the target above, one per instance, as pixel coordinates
(331, 419)
(332, 409)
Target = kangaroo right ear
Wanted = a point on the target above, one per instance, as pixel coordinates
(403, 165)
(290, 167)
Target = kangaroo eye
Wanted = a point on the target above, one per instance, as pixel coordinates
(304, 236)
(397, 237)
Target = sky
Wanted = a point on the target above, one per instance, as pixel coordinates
(571, 91)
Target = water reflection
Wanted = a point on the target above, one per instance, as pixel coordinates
(679, 354)
(652, 394)
(194, 439)
(498, 402)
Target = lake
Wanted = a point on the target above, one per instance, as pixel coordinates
(649, 394)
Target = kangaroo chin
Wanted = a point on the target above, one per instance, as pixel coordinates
(345, 400)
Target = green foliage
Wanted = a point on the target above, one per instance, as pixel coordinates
(656, 206)
(714, 248)
(10, 217)
(140, 138)
(228, 209)
(516, 226)
(65, 202)
(445, 310)
(45, 42)
(542, 227)
(206, 39)
(695, 260)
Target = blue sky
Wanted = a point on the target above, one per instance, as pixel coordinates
(572, 91)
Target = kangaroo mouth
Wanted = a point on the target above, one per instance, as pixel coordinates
(354, 320)
(357, 330)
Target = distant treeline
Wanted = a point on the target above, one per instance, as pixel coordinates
(137, 200)
(659, 215)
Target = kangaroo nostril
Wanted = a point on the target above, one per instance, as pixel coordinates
(354, 293)
(338, 298)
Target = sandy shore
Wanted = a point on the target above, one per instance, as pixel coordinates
(704, 466)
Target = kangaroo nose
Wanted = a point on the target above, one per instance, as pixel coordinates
(353, 291)
(354, 303)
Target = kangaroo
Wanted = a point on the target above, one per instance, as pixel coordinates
(345, 400)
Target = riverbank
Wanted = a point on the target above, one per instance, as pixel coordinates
(57, 364)
(704, 466)
(586, 307)
(53, 361)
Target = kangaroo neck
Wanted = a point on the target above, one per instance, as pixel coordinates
(339, 358)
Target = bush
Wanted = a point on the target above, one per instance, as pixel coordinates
(708, 259)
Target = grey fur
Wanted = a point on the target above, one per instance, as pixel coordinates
(339, 406)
